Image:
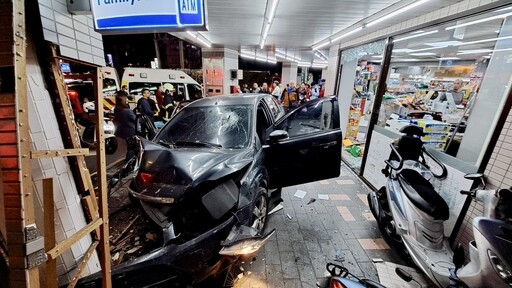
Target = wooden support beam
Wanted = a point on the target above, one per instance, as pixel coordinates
(91, 212)
(58, 153)
(49, 232)
(81, 268)
(66, 244)
(101, 164)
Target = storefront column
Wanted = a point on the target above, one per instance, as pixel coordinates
(332, 70)
(289, 73)
(218, 66)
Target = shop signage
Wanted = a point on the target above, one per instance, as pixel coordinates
(142, 16)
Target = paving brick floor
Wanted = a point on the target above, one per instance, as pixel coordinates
(341, 230)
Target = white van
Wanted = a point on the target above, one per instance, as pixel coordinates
(137, 79)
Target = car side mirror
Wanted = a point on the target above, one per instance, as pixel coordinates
(278, 135)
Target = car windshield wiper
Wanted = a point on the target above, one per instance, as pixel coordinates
(198, 143)
(166, 143)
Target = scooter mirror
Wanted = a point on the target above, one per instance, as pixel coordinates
(403, 274)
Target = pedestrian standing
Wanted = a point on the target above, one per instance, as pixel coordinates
(125, 123)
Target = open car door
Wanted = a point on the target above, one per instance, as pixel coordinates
(305, 145)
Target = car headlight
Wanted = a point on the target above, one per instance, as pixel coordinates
(500, 267)
(247, 246)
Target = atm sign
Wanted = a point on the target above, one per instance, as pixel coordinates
(188, 7)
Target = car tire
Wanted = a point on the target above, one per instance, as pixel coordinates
(259, 211)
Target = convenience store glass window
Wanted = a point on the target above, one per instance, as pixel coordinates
(452, 80)
(358, 86)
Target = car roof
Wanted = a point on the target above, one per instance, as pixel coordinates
(232, 99)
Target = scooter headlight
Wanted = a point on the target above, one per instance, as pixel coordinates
(500, 267)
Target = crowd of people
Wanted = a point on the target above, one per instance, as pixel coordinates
(290, 95)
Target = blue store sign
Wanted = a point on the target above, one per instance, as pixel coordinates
(138, 16)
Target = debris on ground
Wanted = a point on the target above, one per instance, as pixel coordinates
(123, 232)
(339, 256)
(297, 258)
(323, 196)
(289, 217)
(311, 201)
(277, 208)
(300, 194)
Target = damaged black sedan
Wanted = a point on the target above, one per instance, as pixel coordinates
(208, 176)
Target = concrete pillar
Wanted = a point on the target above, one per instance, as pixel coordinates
(348, 73)
(218, 63)
(332, 69)
(289, 73)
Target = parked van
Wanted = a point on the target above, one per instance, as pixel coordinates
(137, 79)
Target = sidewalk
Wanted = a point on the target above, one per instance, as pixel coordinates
(341, 230)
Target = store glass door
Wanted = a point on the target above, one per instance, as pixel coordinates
(358, 87)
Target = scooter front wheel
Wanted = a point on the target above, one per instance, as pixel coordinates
(110, 145)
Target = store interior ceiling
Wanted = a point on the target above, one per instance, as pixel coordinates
(298, 25)
(473, 42)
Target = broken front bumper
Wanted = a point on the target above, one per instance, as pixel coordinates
(170, 264)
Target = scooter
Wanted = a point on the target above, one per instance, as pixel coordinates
(409, 211)
(86, 130)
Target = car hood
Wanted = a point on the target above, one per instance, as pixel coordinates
(174, 170)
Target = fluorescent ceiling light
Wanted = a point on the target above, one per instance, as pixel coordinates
(497, 31)
(444, 43)
(402, 50)
(406, 60)
(346, 34)
(423, 54)
(280, 55)
(426, 49)
(484, 40)
(262, 43)
(204, 42)
(504, 9)
(261, 59)
(304, 64)
(448, 58)
(272, 61)
(474, 51)
(318, 46)
(479, 21)
(415, 35)
(265, 33)
(247, 56)
(397, 12)
(192, 34)
(272, 11)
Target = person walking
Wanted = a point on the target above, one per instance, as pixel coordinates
(125, 123)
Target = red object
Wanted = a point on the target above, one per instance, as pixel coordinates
(145, 179)
(159, 98)
(75, 102)
(321, 94)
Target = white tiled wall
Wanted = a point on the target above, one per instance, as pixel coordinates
(69, 215)
(74, 34)
(230, 63)
(330, 79)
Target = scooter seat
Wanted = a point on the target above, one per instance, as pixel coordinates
(423, 195)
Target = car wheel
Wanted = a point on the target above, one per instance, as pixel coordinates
(260, 210)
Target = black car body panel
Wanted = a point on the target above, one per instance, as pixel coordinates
(204, 171)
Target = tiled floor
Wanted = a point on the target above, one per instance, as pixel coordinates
(341, 230)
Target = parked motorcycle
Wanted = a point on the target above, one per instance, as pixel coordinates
(86, 130)
(411, 212)
(341, 277)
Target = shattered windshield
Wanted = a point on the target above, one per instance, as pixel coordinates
(213, 127)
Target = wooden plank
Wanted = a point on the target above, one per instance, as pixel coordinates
(92, 212)
(82, 266)
(66, 244)
(101, 164)
(58, 153)
(49, 231)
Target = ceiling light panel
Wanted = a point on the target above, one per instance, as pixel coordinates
(397, 12)
(415, 35)
(501, 16)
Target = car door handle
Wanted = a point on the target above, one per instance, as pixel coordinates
(325, 145)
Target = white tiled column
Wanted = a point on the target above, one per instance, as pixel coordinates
(289, 73)
(45, 135)
(217, 66)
